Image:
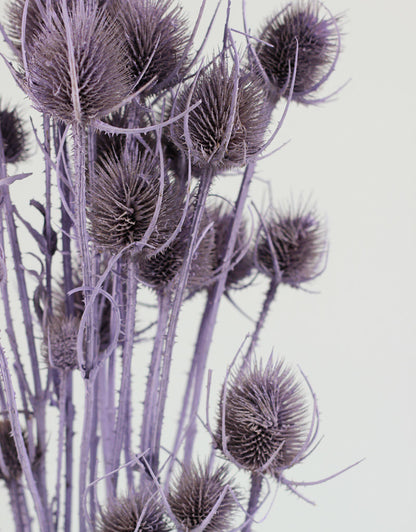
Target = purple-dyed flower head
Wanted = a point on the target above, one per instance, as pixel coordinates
(317, 38)
(195, 494)
(123, 197)
(13, 136)
(76, 67)
(162, 269)
(9, 452)
(157, 41)
(123, 514)
(228, 126)
(291, 246)
(242, 258)
(60, 342)
(262, 418)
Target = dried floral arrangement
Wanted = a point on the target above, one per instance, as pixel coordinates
(137, 126)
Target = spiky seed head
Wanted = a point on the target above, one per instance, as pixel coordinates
(156, 35)
(100, 76)
(222, 217)
(195, 493)
(316, 36)
(60, 342)
(296, 240)
(264, 417)
(9, 451)
(162, 269)
(122, 515)
(122, 200)
(13, 134)
(208, 123)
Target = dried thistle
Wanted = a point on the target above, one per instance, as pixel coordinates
(316, 36)
(262, 424)
(195, 494)
(13, 135)
(76, 67)
(123, 514)
(122, 200)
(294, 243)
(60, 342)
(214, 144)
(156, 35)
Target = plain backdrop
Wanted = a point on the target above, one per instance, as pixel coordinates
(354, 336)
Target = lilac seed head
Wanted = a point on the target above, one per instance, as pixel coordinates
(195, 493)
(13, 135)
(315, 35)
(296, 241)
(264, 418)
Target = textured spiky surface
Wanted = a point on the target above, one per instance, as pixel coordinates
(264, 418)
(9, 452)
(122, 515)
(13, 135)
(209, 121)
(100, 64)
(162, 269)
(195, 494)
(222, 217)
(297, 241)
(156, 35)
(122, 200)
(317, 38)
(60, 342)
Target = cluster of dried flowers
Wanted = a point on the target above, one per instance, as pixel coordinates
(135, 129)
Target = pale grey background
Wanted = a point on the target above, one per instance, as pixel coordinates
(355, 338)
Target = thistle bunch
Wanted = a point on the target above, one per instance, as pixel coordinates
(138, 133)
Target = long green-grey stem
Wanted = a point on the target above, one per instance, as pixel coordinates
(253, 503)
(207, 326)
(204, 186)
(153, 378)
(130, 320)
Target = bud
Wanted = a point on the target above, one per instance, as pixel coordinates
(316, 37)
(295, 243)
(196, 492)
(262, 425)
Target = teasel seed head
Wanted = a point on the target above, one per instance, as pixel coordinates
(299, 25)
(156, 35)
(222, 217)
(60, 342)
(293, 242)
(209, 122)
(13, 135)
(122, 515)
(122, 200)
(162, 269)
(196, 492)
(9, 452)
(263, 425)
(99, 80)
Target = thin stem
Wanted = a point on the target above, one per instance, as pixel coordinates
(69, 433)
(125, 384)
(62, 422)
(204, 186)
(19, 506)
(253, 503)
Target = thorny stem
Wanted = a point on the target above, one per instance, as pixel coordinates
(131, 298)
(62, 423)
(206, 329)
(253, 503)
(149, 407)
(205, 183)
(19, 506)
